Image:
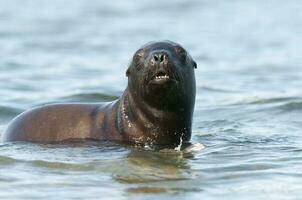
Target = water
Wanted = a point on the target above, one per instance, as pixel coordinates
(248, 110)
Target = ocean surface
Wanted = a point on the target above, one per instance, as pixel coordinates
(248, 110)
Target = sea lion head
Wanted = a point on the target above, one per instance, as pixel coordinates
(161, 74)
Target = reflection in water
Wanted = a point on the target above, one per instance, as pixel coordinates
(157, 171)
(154, 166)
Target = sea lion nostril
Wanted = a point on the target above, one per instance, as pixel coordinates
(162, 57)
(155, 57)
(159, 57)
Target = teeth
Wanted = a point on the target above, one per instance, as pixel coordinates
(162, 77)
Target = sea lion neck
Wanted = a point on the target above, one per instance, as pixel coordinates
(143, 110)
(142, 123)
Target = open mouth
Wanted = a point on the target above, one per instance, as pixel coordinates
(161, 78)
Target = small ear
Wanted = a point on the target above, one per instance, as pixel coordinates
(194, 64)
(128, 72)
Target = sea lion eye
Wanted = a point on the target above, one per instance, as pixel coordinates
(138, 58)
(139, 54)
(181, 52)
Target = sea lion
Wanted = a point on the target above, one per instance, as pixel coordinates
(155, 108)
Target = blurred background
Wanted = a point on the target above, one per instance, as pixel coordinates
(248, 109)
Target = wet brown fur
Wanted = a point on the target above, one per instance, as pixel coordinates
(144, 114)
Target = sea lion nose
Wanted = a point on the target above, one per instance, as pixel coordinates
(158, 57)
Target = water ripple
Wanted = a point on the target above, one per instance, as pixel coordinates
(88, 97)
